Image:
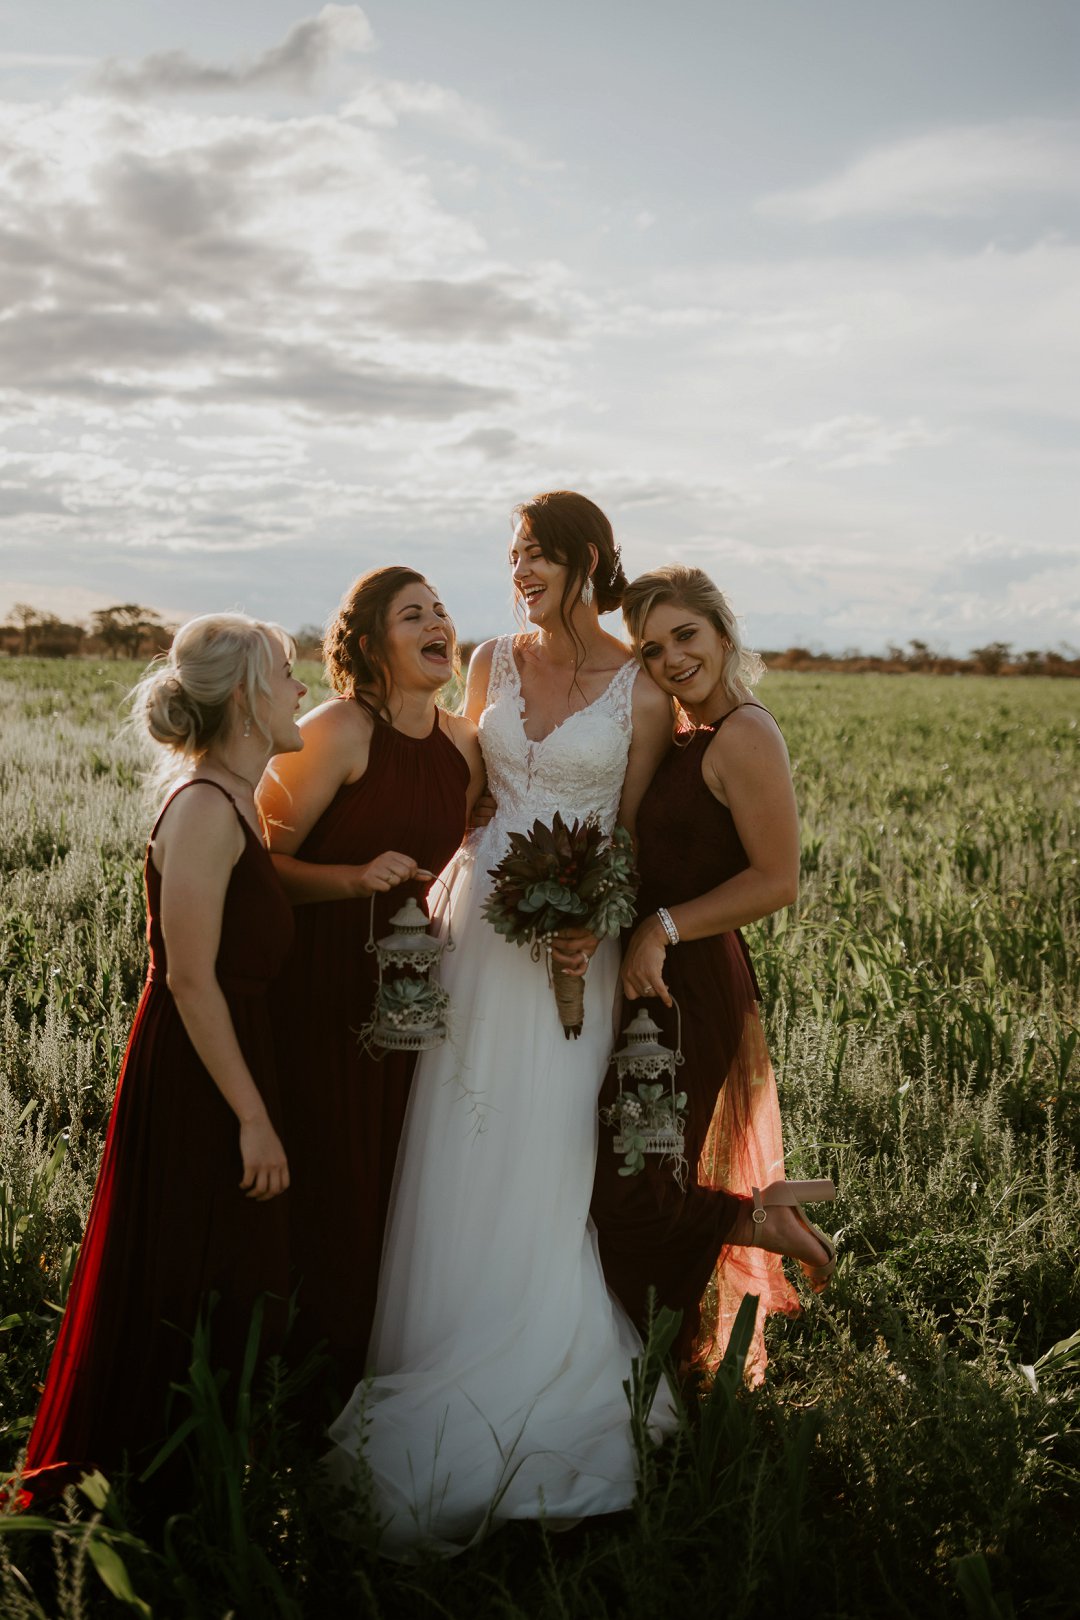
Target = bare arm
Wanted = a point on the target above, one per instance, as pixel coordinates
(653, 722)
(481, 804)
(297, 788)
(476, 682)
(197, 846)
(745, 766)
(466, 739)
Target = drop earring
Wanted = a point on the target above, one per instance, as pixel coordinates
(247, 726)
(587, 591)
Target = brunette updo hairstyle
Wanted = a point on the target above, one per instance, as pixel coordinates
(186, 699)
(354, 647)
(691, 588)
(564, 525)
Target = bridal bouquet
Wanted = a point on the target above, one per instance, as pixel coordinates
(557, 877)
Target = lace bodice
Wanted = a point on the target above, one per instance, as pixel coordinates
(577, 769)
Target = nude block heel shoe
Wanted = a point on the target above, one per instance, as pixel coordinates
(791, 1195)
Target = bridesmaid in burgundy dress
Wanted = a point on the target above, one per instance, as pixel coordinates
(187, 1197)
(718, 847)
(381, 793)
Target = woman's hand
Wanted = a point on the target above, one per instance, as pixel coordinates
(483, 810)
(266, 1169)
(642, 968)
(385, 872)
(572, 950)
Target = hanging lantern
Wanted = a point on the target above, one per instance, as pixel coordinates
(651, 1117)
(410, 1007)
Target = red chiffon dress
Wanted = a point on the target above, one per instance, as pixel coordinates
(653, 1233)
(345, 1107)
(169, 1226)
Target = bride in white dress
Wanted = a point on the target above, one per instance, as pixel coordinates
(498, 1356)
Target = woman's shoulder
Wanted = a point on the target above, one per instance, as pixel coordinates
(199, 812)
(197, 797)
(484, 652)
(746, 732)
(649, 700)
(748, 719)
(337, 722)
(338, 712)
(487, 657)
(457, 726)
(462, 732)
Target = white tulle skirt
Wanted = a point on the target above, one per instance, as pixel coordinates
(498, 1356)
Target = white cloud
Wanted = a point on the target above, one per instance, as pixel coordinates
(296, 63)
(963, 170)
(162, 257)
(246, 353)
(388, 103)
(855, 441)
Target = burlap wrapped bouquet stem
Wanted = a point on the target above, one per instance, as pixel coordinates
(570, 1000)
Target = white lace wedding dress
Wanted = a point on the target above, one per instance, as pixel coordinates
(498, 1355)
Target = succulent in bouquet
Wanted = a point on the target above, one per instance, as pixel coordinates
(559, 877)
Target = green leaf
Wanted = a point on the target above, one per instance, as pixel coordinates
(113, 1571)
(1064, 1353)
(972, 1576)
(96, 1488)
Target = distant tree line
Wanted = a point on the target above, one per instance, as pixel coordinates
(130, 630)
(126, 630)
(995, 658)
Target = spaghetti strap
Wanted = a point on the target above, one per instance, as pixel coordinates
(196, 781)
(750, 703)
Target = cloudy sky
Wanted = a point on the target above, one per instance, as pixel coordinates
(791, 289)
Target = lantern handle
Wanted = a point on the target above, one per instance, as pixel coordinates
(679, 1059)
(450, 946)
(421, 875)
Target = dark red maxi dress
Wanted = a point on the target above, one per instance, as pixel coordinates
(652, 1232)
(345, 1107)
(168, 1223)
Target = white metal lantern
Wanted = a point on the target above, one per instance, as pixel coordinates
(410, 1007)
(650, 1118)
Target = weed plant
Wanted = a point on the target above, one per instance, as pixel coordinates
(915, 1450)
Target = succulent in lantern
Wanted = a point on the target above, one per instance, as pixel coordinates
(651, 1118)
(410, 1012)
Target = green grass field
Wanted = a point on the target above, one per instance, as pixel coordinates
(916, 1449)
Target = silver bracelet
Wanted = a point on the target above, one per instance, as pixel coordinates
(669, 927)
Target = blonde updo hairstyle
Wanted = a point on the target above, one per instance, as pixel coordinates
(692, 589)
(187, 699)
